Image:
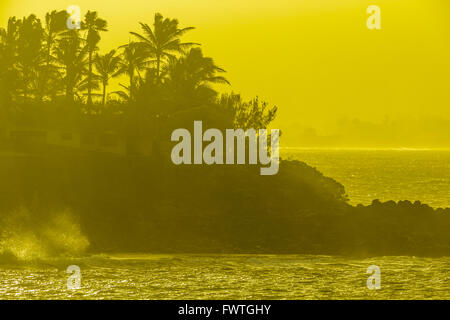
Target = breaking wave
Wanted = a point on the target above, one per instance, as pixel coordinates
(25, 236)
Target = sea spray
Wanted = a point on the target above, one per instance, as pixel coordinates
(27, 236)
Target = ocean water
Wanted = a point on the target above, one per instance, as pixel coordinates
(366, 174)
(401, 174)
(228, 277)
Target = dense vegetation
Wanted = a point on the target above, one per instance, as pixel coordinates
(55, 76)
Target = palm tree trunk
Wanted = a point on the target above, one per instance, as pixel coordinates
(69, 93)
(90, 79)
(25, 87)
(69, 86)
(158, 66)
(131, 85)
(49, 50)
(47, 68)
(104, 94)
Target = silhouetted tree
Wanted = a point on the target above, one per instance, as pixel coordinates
(93, 25)
(8, 54)
(55, 24)
(254, 114)
(107, 66)
(72, 56)
(163, 41)
(132, 62)
(29, 54)
(189, 79)
(166, 75)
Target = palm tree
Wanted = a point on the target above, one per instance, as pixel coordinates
(196, 70)
(72, 57)
(131, 63)
(8, 42)
(107, 66)
(29, 54)
(163, 41)
(8, 56)
(189, 78)
(55, 24)
(94, 25)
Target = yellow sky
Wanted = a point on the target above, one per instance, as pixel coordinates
(315, 59)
